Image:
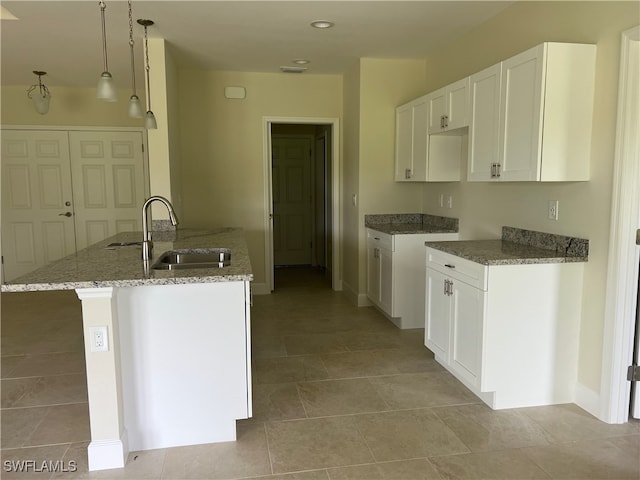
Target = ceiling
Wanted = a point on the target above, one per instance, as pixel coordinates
(63, 38)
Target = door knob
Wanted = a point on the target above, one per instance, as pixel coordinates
(67, 214)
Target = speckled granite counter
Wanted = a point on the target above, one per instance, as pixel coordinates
(518, 247)
(410, 223)
(98, 266)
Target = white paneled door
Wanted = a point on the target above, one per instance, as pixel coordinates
(62, 191)
(108, 183)
(37, 200)
(291, 177)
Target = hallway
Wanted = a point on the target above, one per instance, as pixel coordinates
(338, 393)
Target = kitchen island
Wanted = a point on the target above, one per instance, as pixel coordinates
(167, 351)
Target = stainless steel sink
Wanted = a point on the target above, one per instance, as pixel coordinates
(193, 258)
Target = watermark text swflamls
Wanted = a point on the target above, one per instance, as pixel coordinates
(34, 466)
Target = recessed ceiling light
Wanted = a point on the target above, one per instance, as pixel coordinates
(322, 24)
(301, 61)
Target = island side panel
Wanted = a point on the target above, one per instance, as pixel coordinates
(184, 363)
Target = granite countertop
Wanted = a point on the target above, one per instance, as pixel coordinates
(101, 266)
(518, 247)
(410, 223)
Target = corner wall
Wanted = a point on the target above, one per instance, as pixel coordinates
(483, 208)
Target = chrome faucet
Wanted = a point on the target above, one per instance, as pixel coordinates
(147, 244)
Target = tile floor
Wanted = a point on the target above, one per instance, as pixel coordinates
(339, 393)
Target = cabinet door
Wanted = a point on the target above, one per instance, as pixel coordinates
(404, 142)
(386, 280)
(373, 274)
(467, 313)
(484, 123)
(420, 138)
(457, 107)
(521, 119)
(438, 310)
(437, 109)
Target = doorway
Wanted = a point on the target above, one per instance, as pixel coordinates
(63, 190)
(301, 196)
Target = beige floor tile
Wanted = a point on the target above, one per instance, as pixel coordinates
(408, 434)
(316, 443)
(481, 428)
(49, 364)
(288, 369)
(18, 424)
(246, 457)
(8, 363)
(509, 464)
(568, 422)
(358, 364)
(588, 459)
(629, 444)
(279, 401)
(372, 341)
(38, 391)
(417, 469)
(145, 465)
(422, 390)
(62, 424)
(311, 344)
(33, 463)
(340, 397)
(267, 346)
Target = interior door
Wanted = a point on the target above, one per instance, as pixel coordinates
(320, 186)
(37, 203)
(291, 178)
(108, 183)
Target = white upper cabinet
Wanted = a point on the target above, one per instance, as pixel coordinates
(544, 115)
(449, 107)
(484, 122)
(412, 141)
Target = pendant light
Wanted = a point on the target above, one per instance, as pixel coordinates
(135, 107)
(40, 94)
(106, 86)
(149, 119)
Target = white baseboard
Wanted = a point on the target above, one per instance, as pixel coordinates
(358, 299)
(108, 454)
(588, 399)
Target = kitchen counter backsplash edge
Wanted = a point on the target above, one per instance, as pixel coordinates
(447, 224)
(568, 246)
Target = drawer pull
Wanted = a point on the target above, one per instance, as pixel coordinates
(376, 238)
(448, 265)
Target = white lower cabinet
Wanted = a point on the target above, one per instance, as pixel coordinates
(396, 274)
(507, 332)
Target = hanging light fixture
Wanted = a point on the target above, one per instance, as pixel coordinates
(135, 107)
(106, 86)
(149, 119)
(39, 94)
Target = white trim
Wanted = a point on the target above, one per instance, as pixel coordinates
(336, 189)
(587, 399)
(108, 454)
(622, 275)
(358, 299)
(73, 128)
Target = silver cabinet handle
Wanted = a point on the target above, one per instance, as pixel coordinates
(446, 121)
(448, 265)
(498, 170)
(66, 214)
(407, 173)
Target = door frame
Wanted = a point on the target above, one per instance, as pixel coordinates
(267, 121)
(68, 128)
(622, 275)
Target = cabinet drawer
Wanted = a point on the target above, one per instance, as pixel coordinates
(466, 271)
(379, 239)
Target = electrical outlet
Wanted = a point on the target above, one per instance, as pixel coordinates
(99, 339)
(552, 212)
(441, 200)
(449, 201)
